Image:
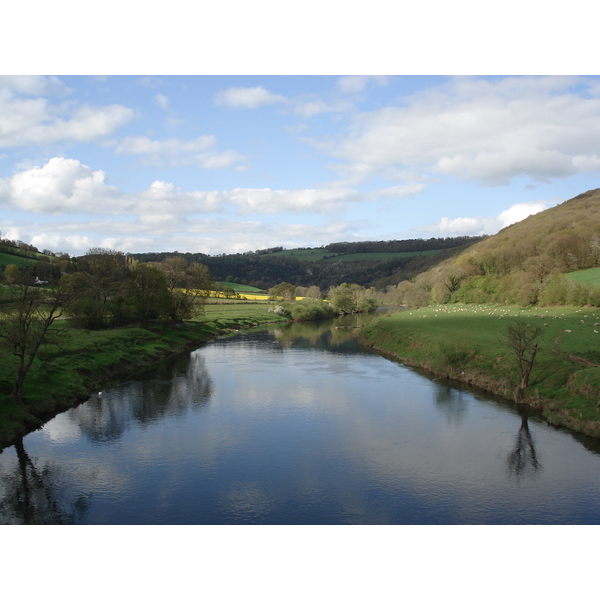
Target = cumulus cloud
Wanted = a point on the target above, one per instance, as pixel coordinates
(177, 152)
(490, 131)
(25, 121)
(64, 186)
(485, 225)
(244, 97)
(61, 185)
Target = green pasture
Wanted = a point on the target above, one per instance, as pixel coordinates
(309, 254)
(13, 259)
(465, 342)
(385, 255)
(587, 276)
(239, 287)
(315, 254)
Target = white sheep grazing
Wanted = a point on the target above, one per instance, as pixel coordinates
(567, 331)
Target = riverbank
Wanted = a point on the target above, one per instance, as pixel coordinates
(62, 377)
(464, 343)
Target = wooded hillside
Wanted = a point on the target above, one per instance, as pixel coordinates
(265, 269)
(524, 263)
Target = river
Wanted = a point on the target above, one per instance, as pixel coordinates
(297, 424)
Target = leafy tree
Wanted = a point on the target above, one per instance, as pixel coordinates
(189, 285)
(314, 292)
(283, 291)
(347, 299)
(105, 273)
(148, 294)
(11, 273)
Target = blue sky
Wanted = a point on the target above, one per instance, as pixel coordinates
(222, 164)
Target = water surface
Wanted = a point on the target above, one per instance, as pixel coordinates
(297, 425)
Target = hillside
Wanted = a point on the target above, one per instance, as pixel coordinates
(523, 264)
(377, 264)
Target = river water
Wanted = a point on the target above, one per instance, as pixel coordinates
(297, 424)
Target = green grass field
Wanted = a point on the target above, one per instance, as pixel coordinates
(464, 342)
(239, 287)
(385, 255)
(319, 254)
(587, 276)
(12, 259)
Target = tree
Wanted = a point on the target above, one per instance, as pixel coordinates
(189, 285)
(148, 294)
(283, 291)
(105, 272)
(27, 322)
(521, 338)
(11, 272)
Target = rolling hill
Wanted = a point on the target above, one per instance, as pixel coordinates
(524, 263)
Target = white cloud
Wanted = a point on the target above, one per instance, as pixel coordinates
(34, 85)
(177, 152)
(162, 101)
(476, 129)
(268, 201)
(209, 236)
(310, 108)
(242, 97)
(397, 191)
(64, 186)
(485, 225)
(351, 84)
(25, 121)
(304, 106)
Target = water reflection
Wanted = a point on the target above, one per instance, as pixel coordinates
(339, 336)
(177, 386)
(35, 496)
(523, 461)
(452, 402)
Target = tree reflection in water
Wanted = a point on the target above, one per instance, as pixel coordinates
(450, 401)
(34, 496)
(522, 461)
(172, 389)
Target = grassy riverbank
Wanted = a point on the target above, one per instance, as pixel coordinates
(464, 342)
(86, 360)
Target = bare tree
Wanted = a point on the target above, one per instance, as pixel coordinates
(27, 320)
(521, 338)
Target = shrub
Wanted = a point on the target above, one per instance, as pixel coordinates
(309, 309)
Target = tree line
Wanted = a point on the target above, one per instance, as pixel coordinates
(412, 245)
